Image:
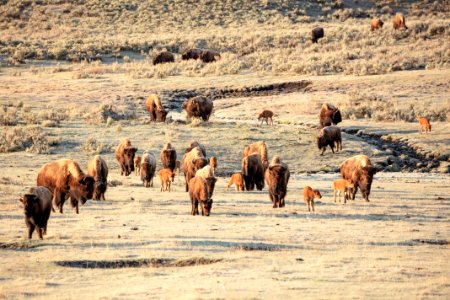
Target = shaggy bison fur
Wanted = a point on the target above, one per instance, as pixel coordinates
(98, 169)
(191, 54)
(277, 178)
(261, 149)
(376, 24)
(253, 172)
(155, 109)
(37, 204)
(329, 115)
(192, 161)
(148, 169)
(208, 56)
(163, 57)
(198, 192)
(399, 21)
(329, 136)
(359, 171)
(199, 107)
(316, 34)
(168, 157)
(125, 156)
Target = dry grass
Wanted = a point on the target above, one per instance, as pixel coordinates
(31, 139)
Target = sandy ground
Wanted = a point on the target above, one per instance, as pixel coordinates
(395, 246)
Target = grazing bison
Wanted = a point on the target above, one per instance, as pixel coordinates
(163, 57)
(342, 186)
(261, 149)
(155, 109)
(253, 172)
(198, 192)
(37, 205)
(265, 116)
(376, 24)
(192, 161)
(359, 171)
(137, 164)
(328, 136)
(64, 179)
(208, 56)
(191, 54)
(125, 156)
(399, 21)
(168, 157)
(98, 169)
(199, 107)
(148, 168)
(213, 164)
(329, 115)
(277, 177)
(308, 196)
(424, 125)
(166, 176)
(238, 180)
(316, 34)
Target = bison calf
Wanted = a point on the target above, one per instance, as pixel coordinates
(198, 192)
(308, 196)
(424, 125)
(398, 21)
(376, 24)
(238, 182)
(137, 164)
(342, 186)
(37, 205)
(166, 176)
(265, 116)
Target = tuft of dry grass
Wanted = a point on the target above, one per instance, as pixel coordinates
(30, 138)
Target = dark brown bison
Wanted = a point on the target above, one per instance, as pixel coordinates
(192, 161)
(191, 54)
(376, 24)
(329, 115)
(163, 57)
(261, 149)
(198, 192)
(155, 109)
(359, 171)
(266, 115)
(148, 168)
(399, 21)
(277, 177)
(253, 172)
(168, 157)
(125, 156)
(329, 136)
(199, 107)
(208, 56)
(316, 34)
(64, 179)
(37, 204)
(98, 169)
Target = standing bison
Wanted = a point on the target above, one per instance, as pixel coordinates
(64, 179)
(163, 57)
(208, 56)
(277, 177)
(98, 169)
(253, 172)
(376, 24)
(155, 109)
(148, 168)
(198, 192)
(329, 136)
(125, 156)
(37, 204)
(329, 115)
(199, 107)
(168, 157)
(316, 34)
(399, 21)
(192, 161)
(191, 54)
(359, 171)
(261, 149)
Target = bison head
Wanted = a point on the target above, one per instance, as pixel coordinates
(206, 207)
(365, 181)
(317, 194)
(278, 175)
(30, 203)
(322, 141)
(336, 118)
(161, 115)
(128, 155)
(82, 189)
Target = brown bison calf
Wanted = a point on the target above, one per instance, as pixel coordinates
(253, 172)
(328, 136)
(424, 125)
(98, 169)
(359, 171)
(329, 115)
(308, 196)
(199, 107)
(376, 24)
(399, 21)
(277, 178)
(265, 116)
(64, 179)
(342, 186)
(155, 109)
(37, 205)
(208, 56)
(137, 164)
(198, 192)
(213, 164)
(191, 54)
(316, 34)
(238, 182)
(163, 57)
(125, 156)
(166, 176)
(148, 169)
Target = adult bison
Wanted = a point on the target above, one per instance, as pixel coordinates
(277, 178)
(316, 34)
(191, 54)
(148, 168)
(194, 144)
(155, 109)
(64, 178)
(168, 157)
(208, 56)
(329, 136)
(253, 172)
(163, 57)
(98, 169)
(198, 192)
(376, 24)
(199, 107)
(192, 161)
(125, 156)
(329, 115)
(359, 171)
(399, 21)
(261, 149)
(37, 204)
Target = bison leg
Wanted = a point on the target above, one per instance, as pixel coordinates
(332, 148)
(307, 204)
(323, 151)
(30, 229)
(39, 230)
(312, 204)
(168, 185)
